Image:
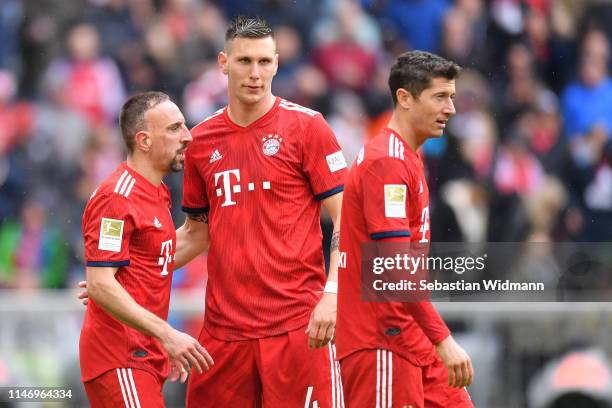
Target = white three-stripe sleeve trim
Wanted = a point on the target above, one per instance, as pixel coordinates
(125, 184)
(134, 390)
(127, 192)
(118, 185)
(391, 137)
(127, 388)
(125, 400)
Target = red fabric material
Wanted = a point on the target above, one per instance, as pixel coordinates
(272, 372)
(121, 387)
(387, 160)
(261, 182)
(105, 342)
(438, 394)
(367, 373)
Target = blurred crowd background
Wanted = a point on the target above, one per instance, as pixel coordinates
(528, 157)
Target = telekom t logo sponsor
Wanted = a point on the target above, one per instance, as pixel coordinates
(228, 185)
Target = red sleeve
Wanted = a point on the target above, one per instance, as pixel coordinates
(323, 160)
(386, 190)
(385, 185)
(107, 228)
(195, 199)
(430, 321)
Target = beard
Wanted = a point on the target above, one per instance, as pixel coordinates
(176, 165)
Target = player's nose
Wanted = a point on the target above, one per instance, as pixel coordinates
(186, 136)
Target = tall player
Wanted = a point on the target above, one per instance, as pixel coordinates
(126, 346)
(256, 174)
(386, 350)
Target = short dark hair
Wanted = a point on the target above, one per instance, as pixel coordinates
(132, 115)
(248, 27)
(414, 70)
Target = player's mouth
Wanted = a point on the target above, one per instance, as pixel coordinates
(441, 123)
(180, 154)
(253, 88)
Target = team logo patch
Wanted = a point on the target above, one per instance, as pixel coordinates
(111, 234)
(271, 144)
(336, 161)
(395, 200)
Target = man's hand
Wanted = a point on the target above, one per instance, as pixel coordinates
(83, 296)
(457, 362)
(184, 353)
(176, 372)
(322, 321)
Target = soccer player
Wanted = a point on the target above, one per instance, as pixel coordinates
(256, 174)
(386, 349)
(126, 348)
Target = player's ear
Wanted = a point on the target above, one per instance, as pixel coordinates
(404, 98)
(143, 141)
(275, 63)
(222, 61)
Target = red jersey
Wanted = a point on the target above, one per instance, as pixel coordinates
(386, 196)
(127, 224)
(262, 184)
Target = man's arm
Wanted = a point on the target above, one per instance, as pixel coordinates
(192, 238)
(323, 318)
(184, 351)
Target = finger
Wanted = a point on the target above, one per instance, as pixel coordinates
(471, 372)
(184, 375)
(321, 336)
(82, 284)
(329, 334)
(209, 360)
(451, 376)
(312, 337)
(201, 359)
(193, 362)
(85, 302)
(465, 370)
(83, 295)
(174, 374)
(458, 376)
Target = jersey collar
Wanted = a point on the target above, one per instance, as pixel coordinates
(259, 122)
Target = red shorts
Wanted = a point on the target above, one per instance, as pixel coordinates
(125, 387)
(437, 392)
(381, 378)
(277, 371)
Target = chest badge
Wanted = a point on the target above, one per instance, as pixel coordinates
(271, 144)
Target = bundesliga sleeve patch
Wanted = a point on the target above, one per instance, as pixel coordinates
(111, 234)
(336, 161)
(395, 200)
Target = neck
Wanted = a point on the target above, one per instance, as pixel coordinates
(143, 167)
(244, 114)
(405, 129)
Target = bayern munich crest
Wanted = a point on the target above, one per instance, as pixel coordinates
(271, 144)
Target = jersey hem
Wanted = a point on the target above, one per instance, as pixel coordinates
(329, 193)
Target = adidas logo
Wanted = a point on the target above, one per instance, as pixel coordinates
(215, 156)
(156, 223)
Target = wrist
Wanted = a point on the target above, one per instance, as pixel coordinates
(331, 287)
